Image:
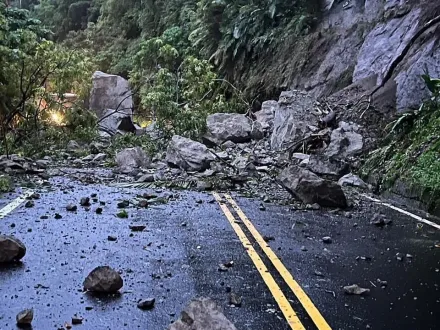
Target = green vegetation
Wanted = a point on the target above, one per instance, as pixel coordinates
(411, 150)
(5, 184)
(33, 69)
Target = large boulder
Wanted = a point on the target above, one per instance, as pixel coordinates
(188, 155)
(266, 115)
(327, 167)
(113, 122)
(132, 158)
(103, 279)
(233, 127)
(345, 142)
(311, 189)
(110, 92)
(202, 314)
(11, 249)
(292, 119)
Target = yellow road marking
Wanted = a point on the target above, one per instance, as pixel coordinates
(14, 204)
(307, 303)
(280, 298)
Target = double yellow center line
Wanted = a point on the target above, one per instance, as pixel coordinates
(280, 298)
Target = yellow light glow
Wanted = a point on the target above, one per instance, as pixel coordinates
(56, 118)
(145, 123)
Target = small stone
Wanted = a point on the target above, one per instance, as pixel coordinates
(146, 304)
(123, 204)
(409, 256)
(262, 207)
(222, 268)
(99, 210)
(235, 300)
(327, 240)
(137, 227)
(112, 238)
(44, 217)
(85, 201)
(199, 201)
(58, 216)
(314, 206)
(76, 320)
(29, 204)
(303, 248)
(25, 317)
(183, 224)
(268, 238)
(94, 195)
(89, 308)
(67, 325)
(382, 283)
(355, 290)
(399, 256)
(143, 203)
(71, 208)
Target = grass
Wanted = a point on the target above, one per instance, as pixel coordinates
(411, 153)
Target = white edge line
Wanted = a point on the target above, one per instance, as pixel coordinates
(420, 219)
(15, 203)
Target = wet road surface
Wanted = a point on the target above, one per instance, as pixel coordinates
(177, 258)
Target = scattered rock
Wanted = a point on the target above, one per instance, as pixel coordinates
(11, 249)
(123, 204)
(71, 207)
(110, 92)
(311, 189)
(355, 290)
(292, 118)
(303, 248)
(99, 210)
(222, 127)
(29, 204)
(146, 178)
(130, 158)
(400, 256)
(100, 157)
(353, 181)
(103, 279)
(146, 304)
(137, 227)
(77, 320)
(328, 167)
(202, 314)
(327, 240)
(112, 238)
(25, 317)
(85, 201)
(188, 155)
(266, 115)
(72, 146)
(379, 220)
(235, 300)
(345, 142)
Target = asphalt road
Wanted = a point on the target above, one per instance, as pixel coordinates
(177, 258)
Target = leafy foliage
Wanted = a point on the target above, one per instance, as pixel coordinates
(411, 150)
(179, 91)
(32, 68)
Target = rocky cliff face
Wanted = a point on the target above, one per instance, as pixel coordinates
(360, 41)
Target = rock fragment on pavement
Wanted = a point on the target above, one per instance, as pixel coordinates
(103, 279)
(11, 249)
(355, 290)
(25, 317)
(202, 314)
